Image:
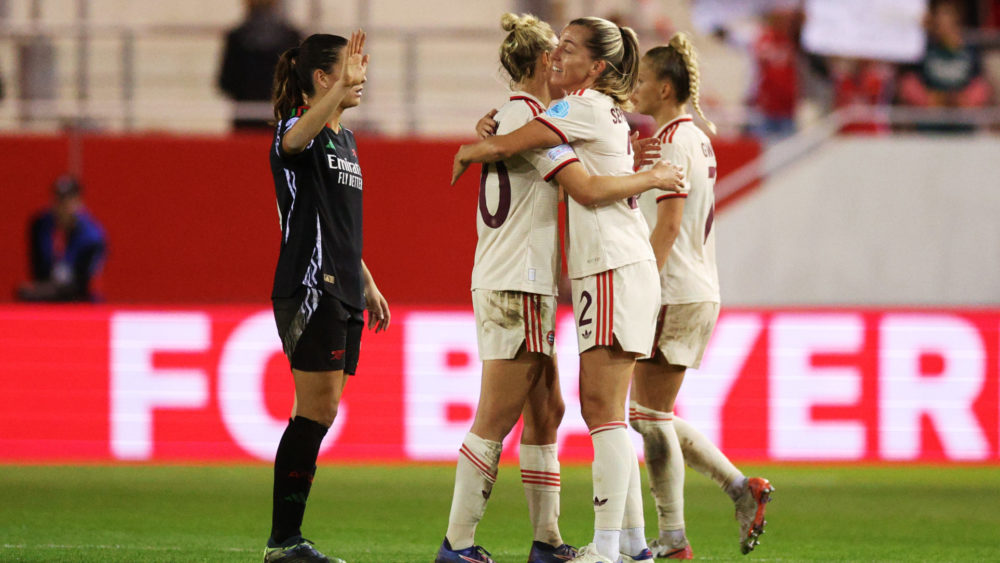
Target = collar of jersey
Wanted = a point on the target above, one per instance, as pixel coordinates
(680, 118)
(518, 94)
(297, 112)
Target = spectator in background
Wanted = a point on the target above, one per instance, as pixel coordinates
(866, 83)
(951, 73)
(776, 52)
(249, 58)
(67, 247)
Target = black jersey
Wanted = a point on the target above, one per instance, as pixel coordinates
(319, 209)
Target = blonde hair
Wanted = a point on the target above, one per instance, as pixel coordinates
(619, 48)
(677, 62)
(527, 38)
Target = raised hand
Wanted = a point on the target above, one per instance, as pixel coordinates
(668, 177)
(355, 60)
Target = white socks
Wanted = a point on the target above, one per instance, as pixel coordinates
(632, 541)
(475, 474)
(664, 463)
(612, 469)
(633, 538)
(540, 476)
(705, 457)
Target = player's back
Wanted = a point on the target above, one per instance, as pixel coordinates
(690, 274)
(517, 216)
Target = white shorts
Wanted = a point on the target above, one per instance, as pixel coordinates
(506, 319)
(682, 332)
(617, 304)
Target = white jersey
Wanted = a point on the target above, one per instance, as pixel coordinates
(518, 215)
(690, 274)
(607, 237)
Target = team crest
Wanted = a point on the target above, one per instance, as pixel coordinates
(551, 337)
(561, 109)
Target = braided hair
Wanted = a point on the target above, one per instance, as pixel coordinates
(677, 62)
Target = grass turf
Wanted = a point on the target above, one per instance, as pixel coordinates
(399, 513)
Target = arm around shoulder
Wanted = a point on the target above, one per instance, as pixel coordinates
(532, 135)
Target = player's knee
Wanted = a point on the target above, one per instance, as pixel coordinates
(557, 411)
(543, 428)
(595, 414)
(494, 425)
(323, 414)
(553, 416)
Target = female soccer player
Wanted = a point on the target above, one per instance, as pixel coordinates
(684, 243)
(611, 264)
(514, 287)
(321, 285)
(513, 294)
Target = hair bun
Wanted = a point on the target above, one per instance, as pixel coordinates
(510, 21)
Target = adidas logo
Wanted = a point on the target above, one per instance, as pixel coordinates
(587, 333)
(329, 145)
(600, 502)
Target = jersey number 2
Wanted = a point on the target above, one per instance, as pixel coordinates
(494, 220)
(585, 301)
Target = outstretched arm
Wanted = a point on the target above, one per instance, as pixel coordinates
(532, 135)
(596, 191)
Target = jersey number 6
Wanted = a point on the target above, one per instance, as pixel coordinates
(494, 220)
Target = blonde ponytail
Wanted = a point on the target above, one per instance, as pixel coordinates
(682, 44)
(619, 48)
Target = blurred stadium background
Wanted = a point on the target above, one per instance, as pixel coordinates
(859, 253)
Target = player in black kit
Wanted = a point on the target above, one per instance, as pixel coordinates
(321, 285)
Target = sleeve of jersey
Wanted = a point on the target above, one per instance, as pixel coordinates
(674, 153)
(548, 162)
(572, 118)
(284, 127)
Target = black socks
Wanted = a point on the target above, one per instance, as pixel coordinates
(294, 467)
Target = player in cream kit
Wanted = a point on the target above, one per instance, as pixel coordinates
(683, 239)
(611, 263)
(605, 238)
(513, 294)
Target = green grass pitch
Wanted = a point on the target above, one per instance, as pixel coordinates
(399, 513)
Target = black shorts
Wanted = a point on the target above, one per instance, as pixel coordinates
(318, 332)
